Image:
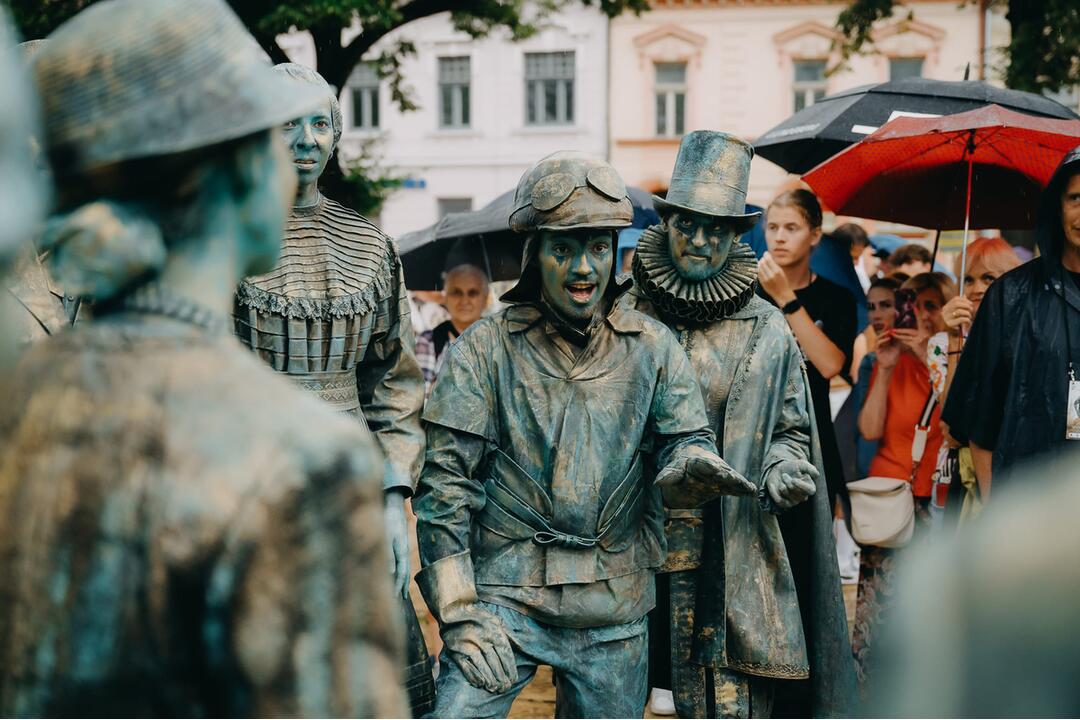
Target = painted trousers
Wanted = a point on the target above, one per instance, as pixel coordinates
(699, 692)
(599, 672)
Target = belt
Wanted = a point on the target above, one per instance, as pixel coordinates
(517, 507)
(338, 388)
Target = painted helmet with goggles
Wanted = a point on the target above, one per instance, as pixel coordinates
(570, 190)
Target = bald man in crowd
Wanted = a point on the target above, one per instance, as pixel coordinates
(467, 296)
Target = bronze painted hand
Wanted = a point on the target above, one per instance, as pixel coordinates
(397, 532)
(791, 482)
(477, 642)
(697, 476)
(475, 637)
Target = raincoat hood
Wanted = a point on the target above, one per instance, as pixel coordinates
(1049, 234)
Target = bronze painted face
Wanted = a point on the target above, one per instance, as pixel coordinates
(311, 140)
(575, 268)
(699, 244)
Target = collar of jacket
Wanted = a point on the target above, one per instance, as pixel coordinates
(623, 320)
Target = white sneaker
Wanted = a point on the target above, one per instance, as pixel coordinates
(662, 702)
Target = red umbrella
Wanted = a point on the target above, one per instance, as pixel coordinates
(985, 167)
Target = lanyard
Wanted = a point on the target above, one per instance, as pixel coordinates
(1065, 322)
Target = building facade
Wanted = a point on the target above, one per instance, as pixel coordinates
(488, 109)
(743, 66)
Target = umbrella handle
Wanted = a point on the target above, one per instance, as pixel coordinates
(967, 221)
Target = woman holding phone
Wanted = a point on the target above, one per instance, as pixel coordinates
(901, 390)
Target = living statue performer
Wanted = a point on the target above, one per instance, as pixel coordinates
(23, 190)
(333, 316)
(37, 306)
(181, 532)
(728, 636)
(539, 523)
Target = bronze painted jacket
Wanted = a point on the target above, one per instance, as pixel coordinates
(538, 462)
(333, 316)
(768, 599)
(186, 534)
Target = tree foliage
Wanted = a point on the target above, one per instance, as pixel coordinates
(335, 60)
(1043, 52)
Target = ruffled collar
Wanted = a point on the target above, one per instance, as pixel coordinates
(709, 300)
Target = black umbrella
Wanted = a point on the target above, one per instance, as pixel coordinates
(482, 238)
(814, 134)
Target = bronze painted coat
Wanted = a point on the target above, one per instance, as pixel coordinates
(186, 534)
(514, 416)
(769, 600)
(333, 316)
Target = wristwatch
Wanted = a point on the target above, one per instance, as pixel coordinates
(791, 307)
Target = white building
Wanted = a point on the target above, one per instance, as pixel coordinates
(488, 109)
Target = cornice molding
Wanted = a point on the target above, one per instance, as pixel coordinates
(669, 30)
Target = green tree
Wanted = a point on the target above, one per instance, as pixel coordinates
(1043, 52)
(335, 60)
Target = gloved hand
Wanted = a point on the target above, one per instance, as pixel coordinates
(695, 476)
(478, 643)
(791, 482)
(475, 637)
(397, 532)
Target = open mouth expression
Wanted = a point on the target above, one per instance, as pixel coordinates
(575, 267)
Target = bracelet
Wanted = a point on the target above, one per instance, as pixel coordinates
(955, 352)
(791, 307)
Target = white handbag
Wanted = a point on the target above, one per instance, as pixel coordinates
(882, 511)
(882, 508)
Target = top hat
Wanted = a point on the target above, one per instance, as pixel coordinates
(710, 177)
(131, 79)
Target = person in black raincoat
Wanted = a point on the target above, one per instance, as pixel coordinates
(1010, 397)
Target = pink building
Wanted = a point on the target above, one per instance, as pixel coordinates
(742, 66)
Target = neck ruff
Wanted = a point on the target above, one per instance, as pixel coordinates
(708, 300)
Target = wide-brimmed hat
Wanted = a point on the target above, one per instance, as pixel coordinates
(711, 175)
(131, 79)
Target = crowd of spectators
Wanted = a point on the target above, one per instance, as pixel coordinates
(953, 384)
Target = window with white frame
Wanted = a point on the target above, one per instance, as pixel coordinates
(670, 99)
(454, 75)
(364, 97)
(810, 84)
(909, 67)
(549, 88)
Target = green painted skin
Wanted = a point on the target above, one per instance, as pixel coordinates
(574, 257)
(699, 243)
(311, 140)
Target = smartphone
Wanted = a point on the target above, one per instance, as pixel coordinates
(905, 310)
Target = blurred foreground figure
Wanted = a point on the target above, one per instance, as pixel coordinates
(23, 190)
(750, 614)
(332, 316)
(986, 624)
(181, 532)
(539, 521)
(37, 305)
